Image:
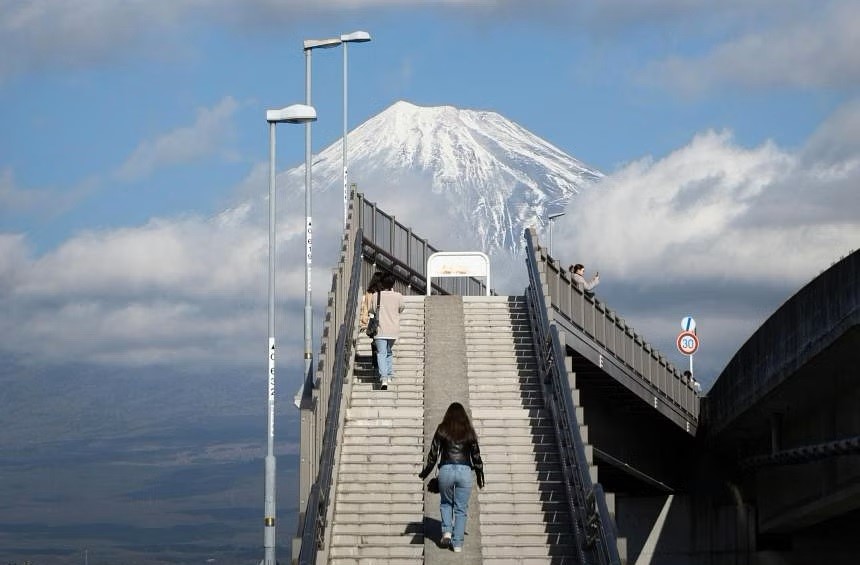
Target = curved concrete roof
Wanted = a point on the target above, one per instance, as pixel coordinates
(822, 313)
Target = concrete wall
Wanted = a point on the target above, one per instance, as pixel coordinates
(808, 323)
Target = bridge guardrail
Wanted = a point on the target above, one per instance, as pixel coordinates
(594, 528)
(598, 322)
(398, 249)
(323, 395)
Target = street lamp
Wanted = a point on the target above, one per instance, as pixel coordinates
(552, 218)
(295, 114)
(354, 37)
(310, 45)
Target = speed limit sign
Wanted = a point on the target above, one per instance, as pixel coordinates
(687, 343)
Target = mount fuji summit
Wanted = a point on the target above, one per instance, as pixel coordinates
(464, 179)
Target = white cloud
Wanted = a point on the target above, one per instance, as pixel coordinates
(811, 47)
(697, 214)
(211, 133)
(183, 291)
(718, 230)
(36, 35)
(44, 202)
(14, 198)
(39, 34)
(836, 142)
(207, 135)
(767, 43)
(715, 229)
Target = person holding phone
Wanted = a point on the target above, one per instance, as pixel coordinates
(577, 275)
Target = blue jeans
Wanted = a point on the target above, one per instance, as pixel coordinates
(384, 357)
(455, 486)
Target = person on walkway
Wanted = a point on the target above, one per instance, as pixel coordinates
(455, 444)
(577, 275)
(688, 378)
(390, 307)
(368, 300)
(368, 303)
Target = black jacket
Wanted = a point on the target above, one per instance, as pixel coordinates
(462, 453)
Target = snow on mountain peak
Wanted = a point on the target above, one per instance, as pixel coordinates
(476, 169)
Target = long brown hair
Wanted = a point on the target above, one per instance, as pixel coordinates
(374, 285)
(456, 426)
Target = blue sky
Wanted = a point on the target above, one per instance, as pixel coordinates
(87, 93)
(125, 122)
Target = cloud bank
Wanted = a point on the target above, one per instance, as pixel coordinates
(798, 43)
(812, 46)
(718, 230)
(206, 136)
(729, 228)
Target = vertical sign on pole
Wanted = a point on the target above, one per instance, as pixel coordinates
(687, 341)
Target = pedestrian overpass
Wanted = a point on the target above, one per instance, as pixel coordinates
(593, 446)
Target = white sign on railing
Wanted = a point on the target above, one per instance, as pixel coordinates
(458, 264)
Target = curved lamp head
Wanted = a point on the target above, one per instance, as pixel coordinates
(554, 216)
(321, 43)
(355, 37)
(294, 114)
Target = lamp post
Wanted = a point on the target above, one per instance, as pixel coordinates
(551, 218)
(310, 45)
(346, 39)
(295, 114)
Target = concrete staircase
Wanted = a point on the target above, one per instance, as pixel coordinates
(379, 501)
(525, 518)
(378, 510)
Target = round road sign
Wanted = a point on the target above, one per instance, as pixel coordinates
(687, 343)
(688, 324)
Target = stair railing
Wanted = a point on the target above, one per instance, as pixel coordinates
(593, 525)
(654, 375)
(396, 248)
(321, 404)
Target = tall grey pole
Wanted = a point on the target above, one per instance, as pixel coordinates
(269, 518)
(345, 110)
(308, 226)
(551, 220)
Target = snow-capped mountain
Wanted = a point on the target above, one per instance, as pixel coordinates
(463, 178)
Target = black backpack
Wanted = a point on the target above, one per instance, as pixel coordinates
(373, 319)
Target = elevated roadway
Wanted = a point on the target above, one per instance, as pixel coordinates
(785, 414)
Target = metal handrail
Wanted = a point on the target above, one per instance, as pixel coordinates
(594, 528)
(313, 530)
(400, 248)
(596, 322)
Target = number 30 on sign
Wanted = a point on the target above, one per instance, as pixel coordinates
(687, 343)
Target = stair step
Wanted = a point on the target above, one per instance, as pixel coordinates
(380, 551)
(388, 561)
(378, 497)
(529, 551)
(496, 529)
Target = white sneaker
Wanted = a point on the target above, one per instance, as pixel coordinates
(458, 549)
(446, 539)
